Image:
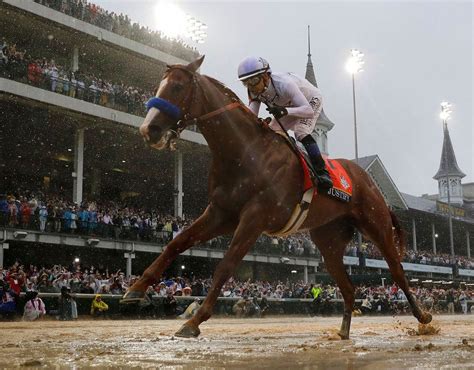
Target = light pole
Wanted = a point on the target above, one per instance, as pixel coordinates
(445, 115)
(353, 66)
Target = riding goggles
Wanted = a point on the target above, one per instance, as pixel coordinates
(252, 81)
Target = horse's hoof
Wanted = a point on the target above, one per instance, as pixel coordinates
(425, 318)
(134, 296)
(343, 336)
(187, 331)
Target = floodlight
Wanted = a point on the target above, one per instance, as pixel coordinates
(355, 62)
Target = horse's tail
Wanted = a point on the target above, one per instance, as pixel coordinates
(400, 236)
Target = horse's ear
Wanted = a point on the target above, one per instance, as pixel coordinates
(194, 66)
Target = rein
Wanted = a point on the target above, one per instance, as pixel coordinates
(175, 112)
(182, 124)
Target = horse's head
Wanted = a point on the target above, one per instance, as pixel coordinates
(172, 103)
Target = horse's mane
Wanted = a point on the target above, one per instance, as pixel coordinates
(227, 91)
(223, 88)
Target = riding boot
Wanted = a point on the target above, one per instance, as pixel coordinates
(322, 174)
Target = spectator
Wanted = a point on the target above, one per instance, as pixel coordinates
(366, 306)
(3, 54)
(187, 291)
(72, 84)
(463, 298)
(7, 302)
(170, 304)
(242, 307)
(81, 86)
(56, 215)
(98, 306)
(53, 76)
(12, 212)
(34, 307)
(73, 218)
(43, 217)
(66, 302)
(450, 301)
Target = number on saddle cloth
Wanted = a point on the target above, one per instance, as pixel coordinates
(164, 106)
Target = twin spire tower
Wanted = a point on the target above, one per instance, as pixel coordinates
(323, 124)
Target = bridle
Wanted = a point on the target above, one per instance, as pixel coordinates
(183, 120)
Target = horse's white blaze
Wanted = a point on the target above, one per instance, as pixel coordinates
(150, 116)
(163, 84)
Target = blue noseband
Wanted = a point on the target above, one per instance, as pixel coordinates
(164, 106)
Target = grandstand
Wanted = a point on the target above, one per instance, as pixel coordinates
(72, 88)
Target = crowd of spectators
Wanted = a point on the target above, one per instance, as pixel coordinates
(114, 220)
(122, 25)
(369, 250)
(40, 72)
(90, 280)
(54, 214)
(106, 220)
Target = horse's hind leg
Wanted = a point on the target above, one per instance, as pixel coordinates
(209, 225)
(382, 234)
(332, 240)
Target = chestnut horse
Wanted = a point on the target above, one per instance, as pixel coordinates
(255, 181)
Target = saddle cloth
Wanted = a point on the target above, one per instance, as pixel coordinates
(342, 183)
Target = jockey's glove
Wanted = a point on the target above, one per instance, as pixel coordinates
(277, 112)
(265, 121)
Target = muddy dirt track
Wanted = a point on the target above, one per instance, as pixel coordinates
(274, 342)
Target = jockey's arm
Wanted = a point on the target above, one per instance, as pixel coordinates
(254, 106)
(300, 106)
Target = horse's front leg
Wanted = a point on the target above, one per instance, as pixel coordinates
(210, 224)
(247, 232)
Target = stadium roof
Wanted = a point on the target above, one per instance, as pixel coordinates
(377, 171)
(420, 203)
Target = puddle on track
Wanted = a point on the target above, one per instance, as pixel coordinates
(275, 342)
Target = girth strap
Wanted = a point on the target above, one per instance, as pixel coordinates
(298, 217)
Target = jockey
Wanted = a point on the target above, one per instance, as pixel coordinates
(292, 100)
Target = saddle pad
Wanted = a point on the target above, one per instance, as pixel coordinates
(342, 183)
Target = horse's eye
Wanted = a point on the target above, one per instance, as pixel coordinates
(177, 88)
